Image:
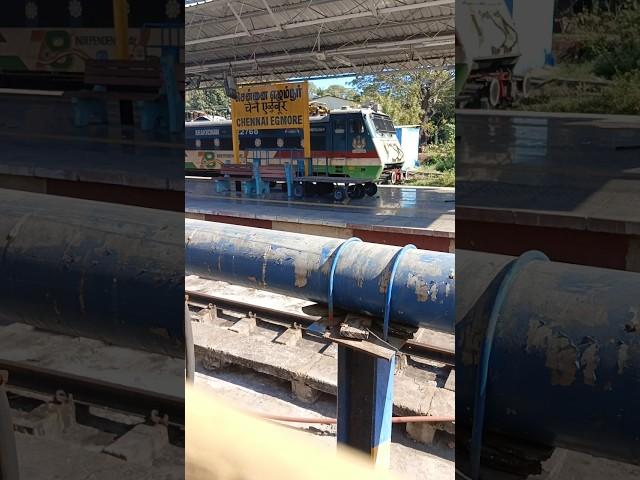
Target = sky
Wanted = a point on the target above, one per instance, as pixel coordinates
(325, 82)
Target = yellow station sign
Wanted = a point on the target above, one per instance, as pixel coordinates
(269, 107)
(278, 105)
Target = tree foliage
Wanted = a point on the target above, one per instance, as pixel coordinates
(424, 98)
(610, 40)
(209, 100)
(339, 91)
(600, 39)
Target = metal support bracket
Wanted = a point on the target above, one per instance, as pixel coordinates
(514, 269)
(387, 305)
(337, 252)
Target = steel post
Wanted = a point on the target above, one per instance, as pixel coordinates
(121, 28)
(365, 403)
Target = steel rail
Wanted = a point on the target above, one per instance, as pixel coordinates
(284, 318)
(203, 300)
(92, 391)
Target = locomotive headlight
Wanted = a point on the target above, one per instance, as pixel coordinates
(280, 142)
(257, 142)
(216, 142)
(198, 143)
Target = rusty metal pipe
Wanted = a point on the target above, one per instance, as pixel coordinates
(565, 364)
(83, 268)
(301, 266)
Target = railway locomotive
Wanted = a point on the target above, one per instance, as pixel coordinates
(359, 144)
(49, 41)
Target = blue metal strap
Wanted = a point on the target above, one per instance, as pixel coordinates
(387, 305)
(334, 264)
(483, 368)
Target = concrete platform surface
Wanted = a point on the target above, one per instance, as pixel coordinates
(87, 358)
(563, 170)
(565, 184)
(424, 216)
(39, 140)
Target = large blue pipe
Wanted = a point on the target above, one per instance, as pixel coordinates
(564, 368)
(92, 269)
(299, 265)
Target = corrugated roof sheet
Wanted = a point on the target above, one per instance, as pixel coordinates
(278, 39)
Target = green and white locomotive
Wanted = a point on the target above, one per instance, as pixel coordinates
(359, 144)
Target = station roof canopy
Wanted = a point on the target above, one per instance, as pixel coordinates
(266, 40)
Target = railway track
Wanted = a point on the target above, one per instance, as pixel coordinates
(271, 315)
(42, 382)
(232, 333)
(81, 408)
(200, 300)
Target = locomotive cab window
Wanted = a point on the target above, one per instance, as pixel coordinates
(318, 141)
(356, 126)
(339, 137)
(383, 124)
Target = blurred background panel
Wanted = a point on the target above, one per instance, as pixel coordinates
(547, 230)
(92, 312)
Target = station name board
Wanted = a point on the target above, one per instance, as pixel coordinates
(274, 106)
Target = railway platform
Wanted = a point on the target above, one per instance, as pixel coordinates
(423, 216)
(42, 151)
(567, 184)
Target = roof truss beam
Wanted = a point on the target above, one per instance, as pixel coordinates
(325, 35)
(318, 21)
(421, 42)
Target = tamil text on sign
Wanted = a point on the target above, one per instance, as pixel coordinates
(280, 105)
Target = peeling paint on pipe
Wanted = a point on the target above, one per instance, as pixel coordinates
(298, 265)
(98, 270)
(565, 366)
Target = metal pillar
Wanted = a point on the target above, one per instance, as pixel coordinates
(288, 172)
(365, 402)
(175, 105)
(121, 27)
